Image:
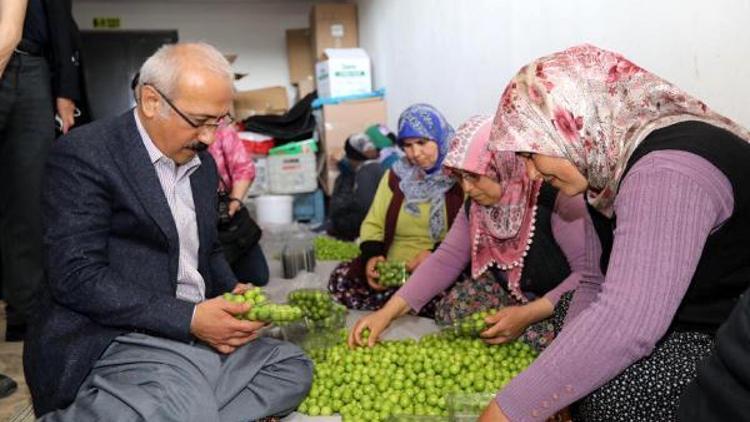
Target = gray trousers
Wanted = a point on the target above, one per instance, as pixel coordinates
(27, 129)
(145, 378)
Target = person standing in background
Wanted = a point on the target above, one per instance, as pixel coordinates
(11, 24)
(40, 77)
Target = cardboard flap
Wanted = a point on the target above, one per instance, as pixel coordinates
(345, 53)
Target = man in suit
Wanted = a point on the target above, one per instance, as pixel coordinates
(132, 325)
(39, 77)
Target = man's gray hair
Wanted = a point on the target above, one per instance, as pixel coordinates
(164, 67)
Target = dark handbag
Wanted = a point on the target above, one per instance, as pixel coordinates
(237, 233)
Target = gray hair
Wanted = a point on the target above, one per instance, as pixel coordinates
(164, 67)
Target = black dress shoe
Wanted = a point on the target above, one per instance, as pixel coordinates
(15, 332)
(7, 386)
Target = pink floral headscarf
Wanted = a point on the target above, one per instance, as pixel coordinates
(500, 234)
(592, 107)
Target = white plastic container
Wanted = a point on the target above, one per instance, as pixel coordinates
(274, 209)
(260, 184)
(292, 173)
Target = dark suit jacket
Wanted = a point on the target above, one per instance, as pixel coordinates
(63, 54)
(111, 255)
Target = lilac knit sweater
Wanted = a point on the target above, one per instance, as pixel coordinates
(666, 207)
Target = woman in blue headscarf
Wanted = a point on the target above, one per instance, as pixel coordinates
(413, 208)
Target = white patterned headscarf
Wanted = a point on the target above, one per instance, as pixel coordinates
(592, 107)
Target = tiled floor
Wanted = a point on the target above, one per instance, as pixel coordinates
(11, 365)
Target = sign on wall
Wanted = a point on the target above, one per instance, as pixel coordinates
(106, 22)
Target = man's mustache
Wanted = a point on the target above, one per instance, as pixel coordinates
(198, 146)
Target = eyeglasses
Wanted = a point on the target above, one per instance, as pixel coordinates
(464, 175)
(210, 123)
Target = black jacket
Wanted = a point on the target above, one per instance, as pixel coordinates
(62, 53)
(352, 196)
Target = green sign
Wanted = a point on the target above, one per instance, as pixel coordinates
(349, 73)
(107, 22)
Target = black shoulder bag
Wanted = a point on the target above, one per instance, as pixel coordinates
(239, 232)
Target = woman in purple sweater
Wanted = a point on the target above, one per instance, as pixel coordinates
(524, 244)
(668, 186)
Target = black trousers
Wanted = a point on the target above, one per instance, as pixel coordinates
(26, 133)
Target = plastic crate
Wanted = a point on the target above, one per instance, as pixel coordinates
(292, 173)
(292, 148)
(260, 184)
(256, 143)
(309, 207)
(466, 407)
(258, 148)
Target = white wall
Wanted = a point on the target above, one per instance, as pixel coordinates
(255, 30)
(459, 54)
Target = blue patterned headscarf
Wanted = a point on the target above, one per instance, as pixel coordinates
(425, 121)
(418, 185)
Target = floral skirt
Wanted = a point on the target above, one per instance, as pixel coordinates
(470, 295)
(352, 290)
(650, 389)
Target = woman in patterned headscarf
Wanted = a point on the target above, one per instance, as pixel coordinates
(668, 185)
(414, 206)
(519, 237)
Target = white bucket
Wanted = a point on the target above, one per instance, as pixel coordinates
(274, 209)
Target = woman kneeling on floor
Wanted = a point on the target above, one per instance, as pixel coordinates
(520, 238)
(667, 183)
(414, 206)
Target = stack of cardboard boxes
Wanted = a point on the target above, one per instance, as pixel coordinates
(336, 122)
(300, 61)
(330, 58)
(271, 100)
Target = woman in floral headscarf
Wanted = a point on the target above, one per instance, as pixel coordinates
(519, 238)
(414, 206)
(667, 182)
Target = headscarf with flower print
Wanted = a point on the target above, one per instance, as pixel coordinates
(500, 234)
(419, 185)
(592, 107)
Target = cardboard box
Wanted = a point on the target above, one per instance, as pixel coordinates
(299, 55)
(336, 123)
(344, 71)
(303, 88)
(333, 25)
(272, 100)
